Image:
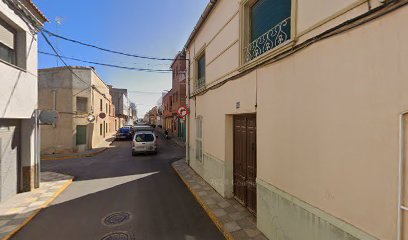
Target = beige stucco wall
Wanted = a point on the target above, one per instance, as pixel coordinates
(57, 138)
(334, 136)
(61, 138)
(99, 140)
(327, 117)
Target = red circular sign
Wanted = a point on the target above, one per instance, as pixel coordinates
(102, 115)
(182, 111)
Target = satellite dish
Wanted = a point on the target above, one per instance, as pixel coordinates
(91, 118)
(48, 116)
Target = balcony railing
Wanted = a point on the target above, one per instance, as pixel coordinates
(269, 40)
(199, 84)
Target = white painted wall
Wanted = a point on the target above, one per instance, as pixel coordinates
(18, 91)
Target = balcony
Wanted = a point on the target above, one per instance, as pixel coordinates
(274, 37)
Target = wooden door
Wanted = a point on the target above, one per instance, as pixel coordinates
(245, 160)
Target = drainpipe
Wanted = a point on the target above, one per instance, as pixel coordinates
(188, 117)
(400, 174)
(37, 148)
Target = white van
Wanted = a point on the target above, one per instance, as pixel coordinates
(144, 142)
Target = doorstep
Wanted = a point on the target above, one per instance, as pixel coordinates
(231, 218)
(18, 210)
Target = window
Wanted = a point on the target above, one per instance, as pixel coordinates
(269, 23)
(7, 43)
(199, 139)
(100, 129)
(200, 72)
(144, 137)
(81, 134)
(106, 127)
(106, 109)
(82, 104)
(101, 105)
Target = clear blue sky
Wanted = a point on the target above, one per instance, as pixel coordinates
(153, 28)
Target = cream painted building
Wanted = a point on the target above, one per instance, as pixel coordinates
(297, 109)
(76, 93)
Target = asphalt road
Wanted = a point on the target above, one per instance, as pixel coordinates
(150, 199)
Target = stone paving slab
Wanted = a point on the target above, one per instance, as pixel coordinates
(233, 220)
(18, 210)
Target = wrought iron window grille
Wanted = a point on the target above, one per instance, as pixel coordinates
(274, 37)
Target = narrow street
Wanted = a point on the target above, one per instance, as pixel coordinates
(155, 203)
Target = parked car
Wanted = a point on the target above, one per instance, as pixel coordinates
(124, 133)
(144, 142)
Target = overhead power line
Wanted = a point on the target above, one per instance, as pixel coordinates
(107, 64)
(105, 49)
(141, 92)
(68, 67)
(62, 60)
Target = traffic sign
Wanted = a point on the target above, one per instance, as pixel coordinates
(182, 111)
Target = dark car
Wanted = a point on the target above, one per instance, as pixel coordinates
(124, 133)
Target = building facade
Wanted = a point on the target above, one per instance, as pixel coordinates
(20, 22)
(168, 112)
(153, 116)
(121, 103)
(178, 94)
(85, 109)
(132, 113)
(311, 133)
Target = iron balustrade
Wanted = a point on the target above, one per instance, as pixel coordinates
(274, 37)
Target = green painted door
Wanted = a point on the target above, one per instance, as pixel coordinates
(81, 134)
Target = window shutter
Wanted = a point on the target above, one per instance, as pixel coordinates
(6, 35)
(265, 14)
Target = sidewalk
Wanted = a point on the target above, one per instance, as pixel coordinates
(21, 208)
(233, 220)
(175, 139)
(88, 153)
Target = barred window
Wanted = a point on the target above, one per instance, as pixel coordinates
(269, 23)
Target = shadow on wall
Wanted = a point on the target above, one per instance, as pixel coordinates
(11, 94)
(6, 107)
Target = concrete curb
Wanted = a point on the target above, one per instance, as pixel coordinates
(36, 212)
(209, 212)
(76, 156)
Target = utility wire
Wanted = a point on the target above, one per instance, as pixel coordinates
(62, 60)
(69, 68)
(142, 92)
(109, 65)
(106, 50)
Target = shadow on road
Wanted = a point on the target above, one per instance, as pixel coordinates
(146, 187)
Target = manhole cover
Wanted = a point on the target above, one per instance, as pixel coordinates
(116, 236)
(116, 218)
